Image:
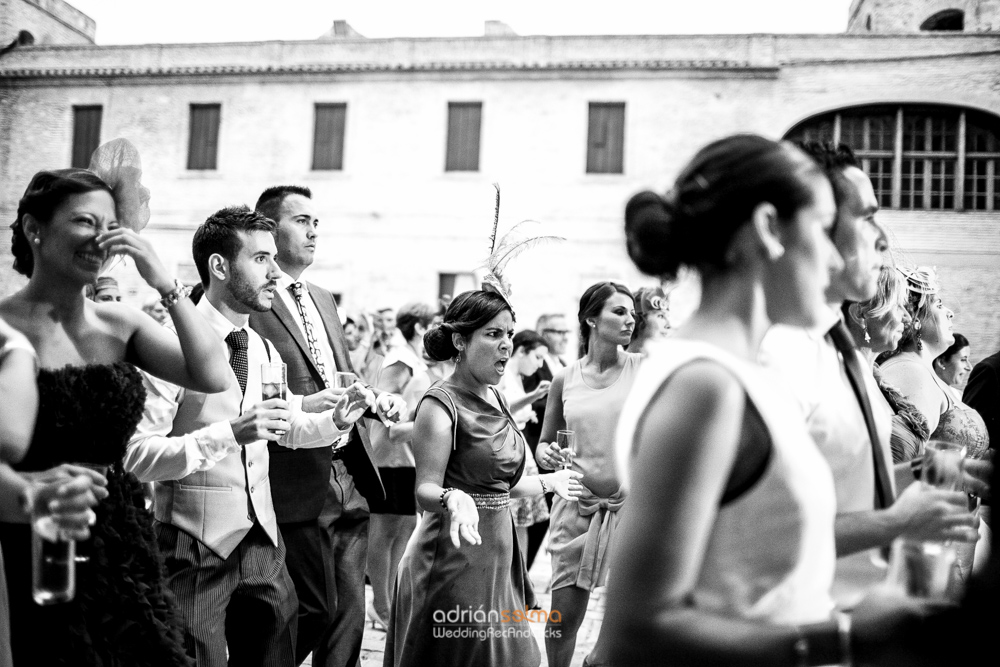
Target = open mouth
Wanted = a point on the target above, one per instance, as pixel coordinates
(93, 259)
(501, 366)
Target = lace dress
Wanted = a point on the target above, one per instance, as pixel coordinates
(123, 613)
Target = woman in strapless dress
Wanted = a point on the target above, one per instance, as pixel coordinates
(69, 224)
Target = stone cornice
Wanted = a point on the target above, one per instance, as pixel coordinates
(351, 68)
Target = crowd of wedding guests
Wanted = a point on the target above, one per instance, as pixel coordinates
(735, 480)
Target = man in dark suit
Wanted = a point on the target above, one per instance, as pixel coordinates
(321, 507)
(982, 393)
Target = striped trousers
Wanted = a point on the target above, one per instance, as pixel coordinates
(245, 603)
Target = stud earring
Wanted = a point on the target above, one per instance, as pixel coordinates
(37, 241)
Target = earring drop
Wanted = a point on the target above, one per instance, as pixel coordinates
(458, 357)
(864, 327)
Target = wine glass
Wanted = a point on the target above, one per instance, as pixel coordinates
(343, 380)
(566, 441)
(943, 465)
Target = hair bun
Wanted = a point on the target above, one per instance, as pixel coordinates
(649, 229)
(438, 343)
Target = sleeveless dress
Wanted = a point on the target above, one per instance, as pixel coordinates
(466, 606)
(770, 554)
(123, 614)
(581, 533)
(959, 423)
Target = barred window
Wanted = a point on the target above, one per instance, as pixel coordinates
(919, 157)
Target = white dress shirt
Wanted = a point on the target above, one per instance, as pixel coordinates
(158, 452)
(322, 336)
(811, 368)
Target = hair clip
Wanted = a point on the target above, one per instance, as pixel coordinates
(920, 279)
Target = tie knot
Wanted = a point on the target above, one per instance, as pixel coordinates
(238, 339)
(297, 289)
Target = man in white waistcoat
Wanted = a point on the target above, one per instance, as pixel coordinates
(207, 457)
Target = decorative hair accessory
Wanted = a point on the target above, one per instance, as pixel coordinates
(117, 163)
(510, 245)
(920, 279)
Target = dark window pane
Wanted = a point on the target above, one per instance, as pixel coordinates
(606, 138)
(86, 134)
(203, 141)
(982, 133)
(464, 121)
(328, 137)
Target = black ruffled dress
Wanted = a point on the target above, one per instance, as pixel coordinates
(123, 613)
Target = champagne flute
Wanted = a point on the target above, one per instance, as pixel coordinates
(566, 441)
(943, 465)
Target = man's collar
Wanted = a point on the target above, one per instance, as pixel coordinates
(285, 281)
(219, 322)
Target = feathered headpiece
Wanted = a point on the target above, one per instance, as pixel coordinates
(920, 279)
(510, 245)
(117, 163)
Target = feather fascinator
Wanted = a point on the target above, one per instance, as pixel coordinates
(509, 246)
(117, 163)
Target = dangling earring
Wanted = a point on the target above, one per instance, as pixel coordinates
(864, 327)
(920, 343)
(458, 357)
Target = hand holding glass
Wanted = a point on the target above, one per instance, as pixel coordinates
(343, 380)
(53, 555)
(83, 546)
(566, 441)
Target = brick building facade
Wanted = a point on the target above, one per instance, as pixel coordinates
(400, 140)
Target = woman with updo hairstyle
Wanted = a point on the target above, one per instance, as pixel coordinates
(586, 398)
(726, 552)
(91, 399)
(470, 458)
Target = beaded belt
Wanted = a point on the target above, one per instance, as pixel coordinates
(491, 501)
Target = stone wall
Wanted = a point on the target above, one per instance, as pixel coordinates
(393, 219)
(887, 16)
(49, 22)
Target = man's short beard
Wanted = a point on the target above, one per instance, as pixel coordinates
(247, 294)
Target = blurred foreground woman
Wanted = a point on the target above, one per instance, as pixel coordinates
(726, 553)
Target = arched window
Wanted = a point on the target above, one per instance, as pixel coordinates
(949, 19)
(932, 157)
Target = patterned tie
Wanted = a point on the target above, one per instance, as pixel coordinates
(237, 341)
(841, 339)
(299, 292)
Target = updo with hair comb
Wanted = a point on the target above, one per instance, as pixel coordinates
(714, 195)
(467, 312)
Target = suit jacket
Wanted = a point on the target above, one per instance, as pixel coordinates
(299, 477)
(982, 393)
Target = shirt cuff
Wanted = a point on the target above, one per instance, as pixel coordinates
(216, 441)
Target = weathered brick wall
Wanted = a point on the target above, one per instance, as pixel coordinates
(50, 21)
(393, 219)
